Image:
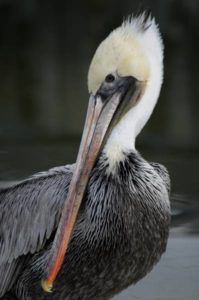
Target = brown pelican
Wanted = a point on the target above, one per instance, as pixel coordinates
(113, 204)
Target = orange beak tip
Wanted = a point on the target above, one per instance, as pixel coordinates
(46, 286)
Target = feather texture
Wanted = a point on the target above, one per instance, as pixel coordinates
(29, 213)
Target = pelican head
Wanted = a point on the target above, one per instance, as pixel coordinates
(124, 81)
(133, 52)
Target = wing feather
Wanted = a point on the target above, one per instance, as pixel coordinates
(30, 212)
(8, 275)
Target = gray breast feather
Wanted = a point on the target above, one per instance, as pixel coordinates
(163, 173)
(30, 211)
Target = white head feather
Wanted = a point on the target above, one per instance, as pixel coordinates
(134, 49)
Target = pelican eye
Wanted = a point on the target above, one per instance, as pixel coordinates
(110, 78)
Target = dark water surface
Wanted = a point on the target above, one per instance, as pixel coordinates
(176, 277)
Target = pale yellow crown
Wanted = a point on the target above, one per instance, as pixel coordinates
(126, 52)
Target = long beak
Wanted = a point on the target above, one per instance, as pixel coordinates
(100, 116)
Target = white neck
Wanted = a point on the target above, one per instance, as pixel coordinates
(122, 138)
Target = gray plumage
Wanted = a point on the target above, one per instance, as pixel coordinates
(121, 231)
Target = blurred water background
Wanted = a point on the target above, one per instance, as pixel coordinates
(45, 51)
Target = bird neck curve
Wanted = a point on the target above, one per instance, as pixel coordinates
(123, 136)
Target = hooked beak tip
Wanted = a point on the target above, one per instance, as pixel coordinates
(46, 285)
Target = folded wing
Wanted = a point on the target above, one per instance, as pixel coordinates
(29, 214)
